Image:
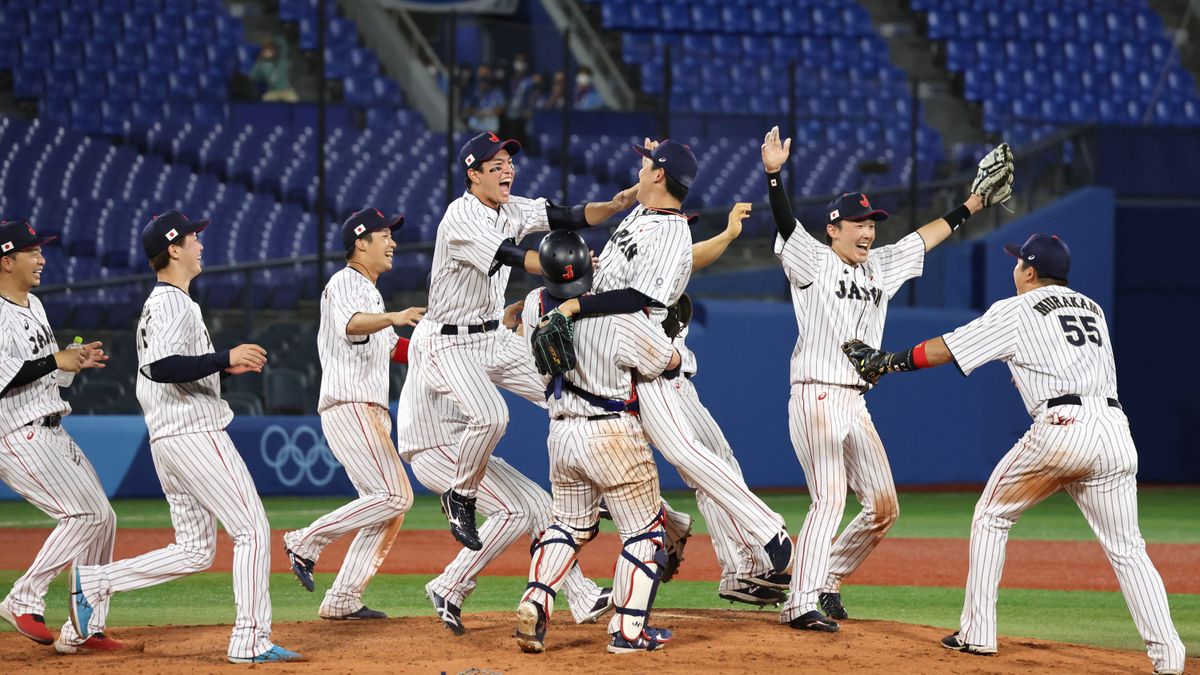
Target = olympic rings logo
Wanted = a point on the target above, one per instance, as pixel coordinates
(292, 464)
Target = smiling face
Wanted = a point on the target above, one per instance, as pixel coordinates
(651, 181)
(852, 239)
(375, 251)
(188, 253)
(492, 182)
(25, 267)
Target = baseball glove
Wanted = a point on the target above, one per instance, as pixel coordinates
(872, 363)
(678, 316)
(553, 344)
(994, 179)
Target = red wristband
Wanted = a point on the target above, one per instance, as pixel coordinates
(919, 359)
(400, 353)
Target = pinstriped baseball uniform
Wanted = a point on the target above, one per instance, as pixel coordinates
(513, 504)
(594, 458)
(1055, 342)
(739, 554)
(651, 252)
(354, 417)
(467, 367)
(202, 475)
(44, 465)
(831, 430)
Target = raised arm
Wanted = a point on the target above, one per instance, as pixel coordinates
(993, 184)
(774, 155)
(705, 253)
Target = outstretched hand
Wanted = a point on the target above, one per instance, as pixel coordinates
(774, 152)
(739, 212)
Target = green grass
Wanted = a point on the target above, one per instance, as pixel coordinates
(1084, 617)
(1167, 514)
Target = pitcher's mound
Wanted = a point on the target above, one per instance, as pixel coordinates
(706, 641)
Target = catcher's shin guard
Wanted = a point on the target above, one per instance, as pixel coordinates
(638, 573)
(551, 558)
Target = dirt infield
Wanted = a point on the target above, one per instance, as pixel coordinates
(1065, 565)
(707, 641)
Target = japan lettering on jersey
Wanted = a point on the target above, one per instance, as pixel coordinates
(25, 335)
(650, 252)
(835, 302)
(1054, 340)
(353, 367)
(608, 349)
(171, 325)
(470, 233)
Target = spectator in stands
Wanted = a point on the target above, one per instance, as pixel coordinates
(527, 89)
(586, 96)
(271, 70)
(486, 103)
(557, 94)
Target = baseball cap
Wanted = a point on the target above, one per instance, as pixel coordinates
(367, 220)
(19, 235)
(1047, 253)
(854, 206)
(674, 158)
(483, 147)
(166, 229)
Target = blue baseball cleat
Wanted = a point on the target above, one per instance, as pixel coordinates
(275, 653)
(81, 609)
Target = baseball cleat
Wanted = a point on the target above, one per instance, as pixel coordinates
(954, 641)
(303, 569)
(814, 620)
(448, 612)
(460, 513)
(831, 604)
(272, 655)
(32, 626)
(81, 609)
(98, 642)
(1169, 671)
(604, 602)
(758, 596)
(780, 551)
(675, 555)
(360, 614)
(776, 580)
(531, 627)
(651, 639)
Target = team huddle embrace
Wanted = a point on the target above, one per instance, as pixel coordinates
(602, 347)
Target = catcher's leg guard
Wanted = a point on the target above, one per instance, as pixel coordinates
(552, 554)
(636, 579)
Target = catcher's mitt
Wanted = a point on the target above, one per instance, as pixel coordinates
(994, 179)
(553, 344)
(872, 363)
(679, 315)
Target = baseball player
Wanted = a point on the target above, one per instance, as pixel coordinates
(840, 291)
(646, 265)
(1055, 342)
(356, 343)
(597, 447)
(457, 351)
(202, 474)
(38, 458)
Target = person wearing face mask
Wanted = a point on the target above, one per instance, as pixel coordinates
(555, 97)
(586, 96)
(271, 70)
(526, 88)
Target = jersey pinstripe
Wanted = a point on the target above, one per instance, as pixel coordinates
(1054, 340)
(688, 366)
(650, 252)
(170, 325)
(354, 368)
(835, 302)
(460, 290)
(25, 335)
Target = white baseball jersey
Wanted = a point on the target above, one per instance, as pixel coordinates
(650, 252)
(607, 348)
(460, 290)
(835, 302)
(353, 367)
(1054, 340)
(171, 325)
(689, 364)
(25, 335)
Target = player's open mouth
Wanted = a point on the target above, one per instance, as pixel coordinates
(505, 186)
(864, 247)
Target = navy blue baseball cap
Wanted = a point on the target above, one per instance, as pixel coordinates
(674, 158)
(19, 235)
(854, 206)
(166, 229)
(367, 220)
(1047, 254)
(484, 147)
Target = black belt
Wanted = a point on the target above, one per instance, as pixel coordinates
(594, 418)
(51, 421)
(451, 329)
(1075, 399)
